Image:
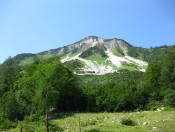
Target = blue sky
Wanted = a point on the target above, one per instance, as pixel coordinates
(32, 26)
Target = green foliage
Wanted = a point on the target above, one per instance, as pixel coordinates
(152, 76)
(93, 51)
(26, 83)
(11, 107)
(128, 122)
(35, 123)
(111, 77)
(7, 124)
(122, 95)
(55, 128)
(159, 78)
(8, 102)
(30, 126)
(93, 130)
(168, 70)
(8, 74)
(74, 64)
(46, 92)
(20, 57)
(169, 98)
(26, 62)
(152, 54)
(47, 82)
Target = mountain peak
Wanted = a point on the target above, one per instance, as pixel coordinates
(91, 39)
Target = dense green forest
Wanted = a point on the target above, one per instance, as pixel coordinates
(48, 87)
(149, 55)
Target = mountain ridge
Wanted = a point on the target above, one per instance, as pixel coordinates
(86, 40)
(98, 56)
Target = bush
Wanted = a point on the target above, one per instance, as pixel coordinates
(154, 105)
(128, 122)
(55, 128)
(32, 118)
(7, 124)
(93, 130)
(170, 99)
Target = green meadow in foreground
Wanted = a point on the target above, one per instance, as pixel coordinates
(145, 121)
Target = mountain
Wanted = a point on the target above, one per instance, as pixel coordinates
(95, 55)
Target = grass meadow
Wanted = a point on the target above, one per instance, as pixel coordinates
(145, 121)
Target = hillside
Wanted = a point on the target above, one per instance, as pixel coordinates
(97, 56)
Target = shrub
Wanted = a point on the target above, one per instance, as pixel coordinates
(55, 128)
(170, 99)
(7, 124)
(93, 130)
(128, 122)
(154, 105)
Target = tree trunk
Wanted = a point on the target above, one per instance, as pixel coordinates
(47, 121)
(79, 125)
(21, 128)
